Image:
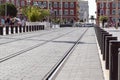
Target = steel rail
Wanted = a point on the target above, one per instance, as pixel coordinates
(51, 75)
(31, 48)
(25, 37)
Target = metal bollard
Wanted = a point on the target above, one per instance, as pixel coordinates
(103, 44)
(119, 65)
(27, 28)
(12, 29)
(7, 30)
(113, 59)
(20, 29)
(24, 28)
(1, 30)
(16, 29)
(107, 43)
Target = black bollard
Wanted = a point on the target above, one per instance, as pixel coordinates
(103, 43)
(107, 43)
(119, 65)
(113, 59)
(1, 30)
(24, 28)
(7, 30)
(12, 29)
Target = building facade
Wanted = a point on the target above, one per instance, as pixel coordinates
(84, 11)
(109, 8)
(66, 10)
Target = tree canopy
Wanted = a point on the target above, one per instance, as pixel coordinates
(34, 13)
(103, 18)
(9, 9)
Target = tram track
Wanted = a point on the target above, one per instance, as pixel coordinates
(31, 48)
(51, 75)
(24, 38)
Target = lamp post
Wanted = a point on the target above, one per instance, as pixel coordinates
(48, 8)
(61, 10)
(6, 8)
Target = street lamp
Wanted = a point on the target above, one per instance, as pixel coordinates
(48, 8)
(6, 8)
(61, 10)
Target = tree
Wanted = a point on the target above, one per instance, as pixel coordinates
(44, 13)
(92, 18)
(103, 19)
(34, 13)
(11, 10)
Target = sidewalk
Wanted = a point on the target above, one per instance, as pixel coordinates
(84, 63)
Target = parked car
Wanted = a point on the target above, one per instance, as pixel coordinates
(77, 24)
(89, 25)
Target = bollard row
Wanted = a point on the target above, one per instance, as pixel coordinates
(6, 30)
(109, 46)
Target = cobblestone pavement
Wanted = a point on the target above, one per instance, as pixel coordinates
(84, 62)
(35, 64)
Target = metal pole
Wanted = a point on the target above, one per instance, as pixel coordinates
(48, 8)
(61, 11)
(5, 10)
(117, 14)
(107, 13)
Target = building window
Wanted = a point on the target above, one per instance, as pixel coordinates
(114, 19)
(39, 4)
(59, 5)
(17, 2)
(107, 12)
(113, 5)
(71, 12)
(72, 5)
(13, 2)
(22, 3)
(108, 5)
(65, 12)
(60, 12)
(119, 12)
(66, 5)
(101, 12)
(45, 4)
(55, 12)
(113, 12)
(118, 4)
(55, 5)
(101, 5)
(50, 4)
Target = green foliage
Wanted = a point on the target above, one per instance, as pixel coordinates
(34, 13)
(81, 20)
(57, 20)
(44, 13)
(103, 18)
(92, 17)
(11, 9)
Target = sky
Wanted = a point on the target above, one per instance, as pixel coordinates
(92, 7)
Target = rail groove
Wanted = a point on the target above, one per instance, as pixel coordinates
(51, 75)
(30, 48)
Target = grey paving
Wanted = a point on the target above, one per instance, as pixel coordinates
(84, 62)
(36, 63)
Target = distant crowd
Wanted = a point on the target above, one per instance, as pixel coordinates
(12, 21)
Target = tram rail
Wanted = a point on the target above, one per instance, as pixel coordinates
(51, 75)
(32, 47)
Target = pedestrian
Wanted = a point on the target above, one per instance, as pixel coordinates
(2, 22)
